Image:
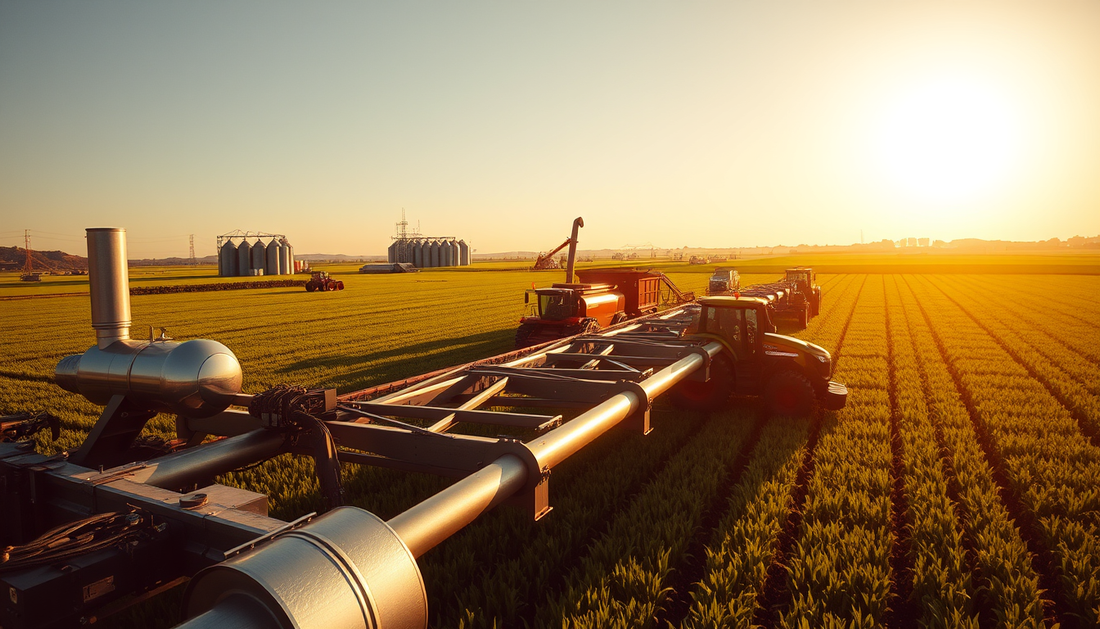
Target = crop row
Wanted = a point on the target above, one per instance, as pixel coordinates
(1074, 381)
(623, 579)
(1071, 330)
(936, 574)
(1048, 465)
(1006, 586)
(498, 569)
(840, 568)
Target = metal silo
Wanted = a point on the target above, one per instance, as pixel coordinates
(463, 253)
(244, 258)
(228, 259)
(391, 252)
(285, 267)
(426, 252)
(271, 258)
(444, 253)
(418, 254)
(435, 254)
(454, 253)
(259, 255)
(290, 249)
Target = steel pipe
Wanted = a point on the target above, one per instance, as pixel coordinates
(109, 284)
(237, 611)
(187, 467)
(435, 519)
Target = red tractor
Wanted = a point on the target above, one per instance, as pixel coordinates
(320, 280)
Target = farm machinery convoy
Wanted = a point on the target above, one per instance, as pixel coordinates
(124, 517)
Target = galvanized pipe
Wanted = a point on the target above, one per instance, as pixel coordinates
(435, 519)
(236, 611)
(109, 284)
(187, 467)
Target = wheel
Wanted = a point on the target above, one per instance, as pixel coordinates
(618, 318)
(712, 395)
(310, 287)
(589, 326)
(523, 335)
(789, 393)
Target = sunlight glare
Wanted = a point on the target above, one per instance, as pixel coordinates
(949, 141)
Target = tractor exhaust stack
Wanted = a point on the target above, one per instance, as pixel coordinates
(110, 284)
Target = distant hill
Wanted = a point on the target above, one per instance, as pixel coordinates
(12, 258)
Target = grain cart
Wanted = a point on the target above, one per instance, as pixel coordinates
(124, 517)
(602, 298)
(321, 280)
(723, 282)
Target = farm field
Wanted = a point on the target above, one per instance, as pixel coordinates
(960, 487)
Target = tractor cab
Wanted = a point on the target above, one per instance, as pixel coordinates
(789, 372)
(565, 302)
(803, 280)
(723, 282)
(802, 276)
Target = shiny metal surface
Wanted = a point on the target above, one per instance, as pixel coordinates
(235, 611)
(109, 284)
(445, 252)
(228, 257)
(202, 462)
(195, 378)
(285, 267)
(463, 253)
(435, 254)
(391, 253)
(244, 258)
(259, 256)
(271, 258)
(345, 569)
(427, 524)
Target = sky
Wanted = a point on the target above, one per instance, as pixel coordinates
(703, 124)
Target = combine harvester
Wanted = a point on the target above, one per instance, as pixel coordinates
(122, 518)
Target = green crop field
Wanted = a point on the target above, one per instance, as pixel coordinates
(960, 487)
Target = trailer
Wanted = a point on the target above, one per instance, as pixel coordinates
(122, 518)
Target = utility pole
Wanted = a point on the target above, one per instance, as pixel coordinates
(193, 250)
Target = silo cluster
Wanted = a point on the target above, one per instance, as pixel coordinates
(429, 252)
(245, 258)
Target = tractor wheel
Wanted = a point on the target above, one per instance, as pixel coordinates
(589, 326)
(310, 287)
(523, 335)
(619, 318)
(712, 395)
(789, 393)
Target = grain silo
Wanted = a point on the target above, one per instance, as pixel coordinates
(418, 254)
(434, 262)
(426, 252)
(244, 258)
(444, 253)
(227, 260)
(259, 257)
(463, 253)
(454, 253)
(271, 258)
(285, 267)
(391, 252)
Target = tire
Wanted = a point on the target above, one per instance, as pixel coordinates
(789, 393)
(618, 318)
(712, 395)
(523, 335)
(589, 326)
(310, 288)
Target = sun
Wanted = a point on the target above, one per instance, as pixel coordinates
(948, 141)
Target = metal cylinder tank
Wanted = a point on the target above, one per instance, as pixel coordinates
(285, 266)
(454, 253)
(445, 253)
(426, 252)
(435, 254)
(391, 252)
(259, 255)
(346, 568)
(418, 254)
(229, 255)
(244, 258)
(271, 258)
(463, 253)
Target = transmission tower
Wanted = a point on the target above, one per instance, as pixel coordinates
(28, 267)
(193, 250)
